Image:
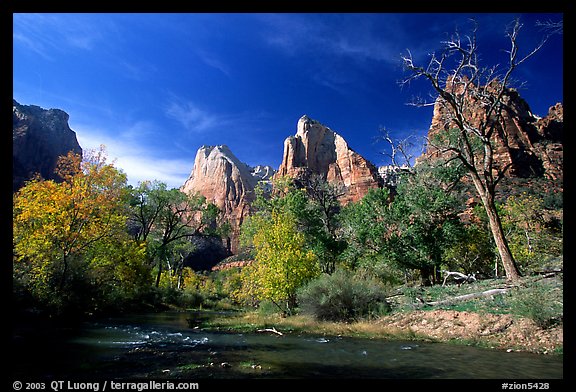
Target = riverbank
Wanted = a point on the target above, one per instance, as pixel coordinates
(524, 317)
(497, 331)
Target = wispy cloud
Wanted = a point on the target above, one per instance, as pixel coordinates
(338, 50)
(356, 38)
(46, 34)
(191, 116)
(140, 71)
(213, 61)
(139, 161)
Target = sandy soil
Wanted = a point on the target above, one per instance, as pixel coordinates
(494, 330)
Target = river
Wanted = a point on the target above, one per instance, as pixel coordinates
(163, 345)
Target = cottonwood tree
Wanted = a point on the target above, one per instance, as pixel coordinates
(282, 263)
(57, 224)
(533, 235)
(462, 85)
(408, 231)
(313, 204)
(321, 216)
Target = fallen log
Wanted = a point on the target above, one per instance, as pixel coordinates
(465, 297)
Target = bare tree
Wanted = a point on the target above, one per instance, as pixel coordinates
(462, 86)
(400, 153)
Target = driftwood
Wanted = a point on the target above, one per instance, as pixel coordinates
(466, 297)
(458, 277)
(273, 330)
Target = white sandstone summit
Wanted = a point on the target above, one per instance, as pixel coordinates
(227, 182)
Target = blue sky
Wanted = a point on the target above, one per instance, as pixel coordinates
(154, 88)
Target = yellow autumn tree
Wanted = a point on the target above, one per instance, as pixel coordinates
(55, 224)
(283, 264)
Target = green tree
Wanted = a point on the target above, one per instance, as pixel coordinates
(282, 265)
(473, 251)
(321, 219)
(177, 221)
(315, 208)
(424, 222)
(408, 231)
(146, 204)
(165, 219)
(119, 275)
(365, 226)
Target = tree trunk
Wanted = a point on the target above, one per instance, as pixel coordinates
(64, 271)
(161, 254)
(159, 273)
(425, 273)
(510, 267)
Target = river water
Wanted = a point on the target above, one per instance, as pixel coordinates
(163, 345)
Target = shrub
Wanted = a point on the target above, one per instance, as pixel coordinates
(267, 308)
(540, 303)
(343, 296)
(192, 299)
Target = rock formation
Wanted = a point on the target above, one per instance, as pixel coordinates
(316, 149)
(39, 137)
(235, 261)
(532, 147)
(549, 148)
(228, 183)
(208, 251)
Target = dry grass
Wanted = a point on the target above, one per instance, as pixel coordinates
(252, 321)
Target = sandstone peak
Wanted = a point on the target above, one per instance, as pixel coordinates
(225, 181)
(304, 124)
(316, 149)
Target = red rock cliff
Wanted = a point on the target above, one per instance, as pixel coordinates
(532, 146)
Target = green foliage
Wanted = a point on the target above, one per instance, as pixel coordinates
(321, 221)
(365, 225)
(267, 308)
(343, 296)
(119, 273)
(553, 200)
(164, 219)
(426, 222)
(315, 209)
(473, 252)
(408, 231)
(533, 233)
(540, 302)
